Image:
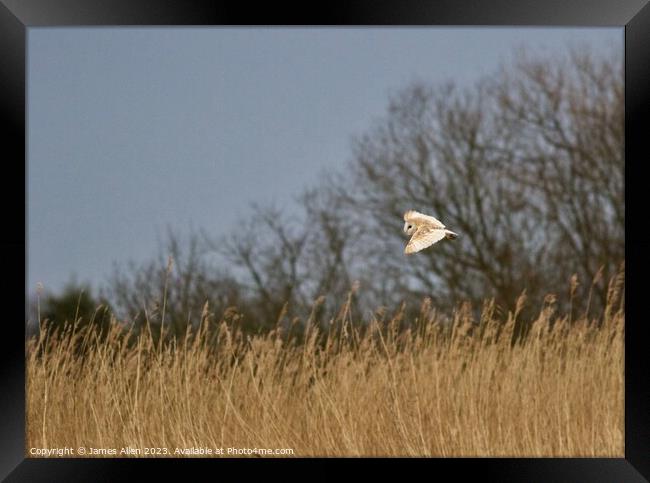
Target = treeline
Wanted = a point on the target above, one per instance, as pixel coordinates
(526, 165)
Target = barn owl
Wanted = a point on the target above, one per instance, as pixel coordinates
(425, 231)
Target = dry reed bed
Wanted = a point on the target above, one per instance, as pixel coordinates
(435, 390)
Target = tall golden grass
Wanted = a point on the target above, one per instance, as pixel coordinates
(462, 388)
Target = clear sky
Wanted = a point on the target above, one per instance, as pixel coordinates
(132, 130)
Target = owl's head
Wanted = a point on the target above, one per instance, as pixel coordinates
(409, 228)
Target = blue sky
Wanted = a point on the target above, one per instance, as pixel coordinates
(133, 130)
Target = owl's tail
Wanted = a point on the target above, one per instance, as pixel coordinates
(451, 235)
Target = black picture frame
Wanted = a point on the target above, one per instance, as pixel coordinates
(17, 16)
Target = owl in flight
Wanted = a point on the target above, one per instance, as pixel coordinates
(425, 231)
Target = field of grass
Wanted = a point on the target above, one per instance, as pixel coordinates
(435, 390)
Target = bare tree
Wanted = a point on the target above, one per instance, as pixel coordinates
(432, 153)
(567, 118)
(268, 251)
(285, 264)
(178, 283)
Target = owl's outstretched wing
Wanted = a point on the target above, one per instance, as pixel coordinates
(418, 218)
(424, 237)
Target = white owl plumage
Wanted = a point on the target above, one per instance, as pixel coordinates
(425, 230)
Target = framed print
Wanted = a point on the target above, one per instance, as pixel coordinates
(408, 233)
